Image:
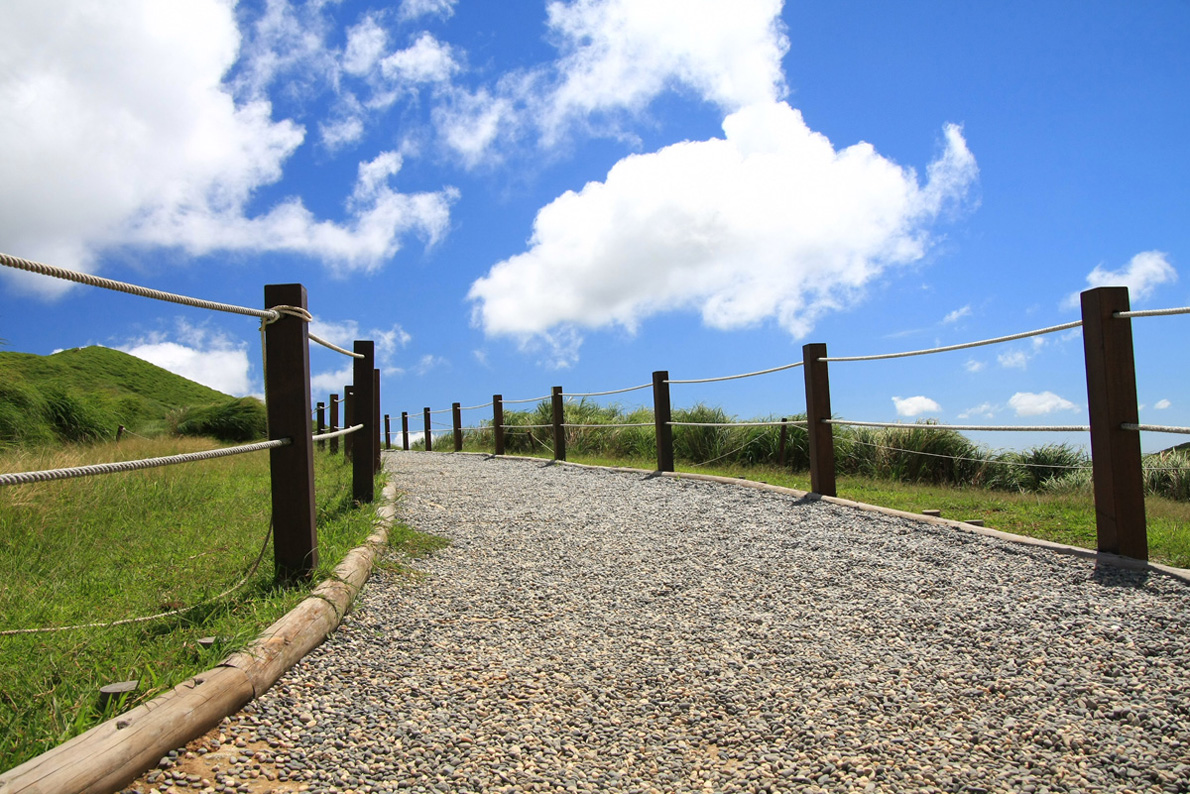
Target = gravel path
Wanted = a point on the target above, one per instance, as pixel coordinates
(598, 631)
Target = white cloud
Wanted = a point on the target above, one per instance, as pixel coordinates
(127, 134)
(332, 382)
(1013, 359)
(412, 9)
(429, 362)
(985, 410)
(1161, 405)
(195, 352)
(915, 406)
(956, 315)
(973, 365)
(387, 342)
(1142, 275)
(1030, 404)
(426, 61)
(366, 43)
(769, 222)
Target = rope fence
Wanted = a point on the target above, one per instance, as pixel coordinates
(1111, 388)
(337, 433)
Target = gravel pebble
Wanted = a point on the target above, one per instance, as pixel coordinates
(588, 630)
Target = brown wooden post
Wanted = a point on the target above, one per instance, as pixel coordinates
(405, 430)
(119, 433)
(1111, 399)
(335, 423)
(662, 416)
(291, 467)
(388, 432)
(781, 444)
(429, 436)
(818, 409)
(363, 412)
(321, 422)
(456, 414)
(375, 421)
(498, 421)
(349, 419)
(558, 415)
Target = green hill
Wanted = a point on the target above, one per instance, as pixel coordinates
(86, 393)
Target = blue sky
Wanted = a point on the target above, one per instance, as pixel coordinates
(512, 196)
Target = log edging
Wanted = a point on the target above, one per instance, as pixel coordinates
(112, 754)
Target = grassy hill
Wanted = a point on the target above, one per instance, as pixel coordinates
(85, 393)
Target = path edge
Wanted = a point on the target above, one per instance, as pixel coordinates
(112, 754)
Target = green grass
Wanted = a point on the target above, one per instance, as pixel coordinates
(106, 548)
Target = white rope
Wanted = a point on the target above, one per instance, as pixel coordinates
(605, 393)
(997, 428)
(525, 427)
(119, 286)
(1156, 428)
(964, 346)
(126, 621)
(530, 400)
(475, 407)
(1153, 312)
(742, 375)
(988, 461)
(441, 411)
(24, 478)
(337, 433)
(336, 348)
(733, 424)
(475, 429)
(626, 424)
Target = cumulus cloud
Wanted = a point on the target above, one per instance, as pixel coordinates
(956, 315)
(1142, 275)
(388, 342)
(412, 9)
(1013, 359)
(768, 222)
(121, 131)
(1030, 404)
(332, 382)
(985, 410)
(974, 365)
(915, 406)
(193, 351)
(1161, 405)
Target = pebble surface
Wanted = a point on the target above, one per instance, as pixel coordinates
(588, 630)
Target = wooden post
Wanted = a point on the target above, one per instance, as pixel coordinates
(456, 414)
(1111, 399)
(321, 422)
(363, 458)
(119, 433)
(291, 467)
(559, 417)
(781, 445)
(335, 423)
(375, 421)
(662, 415)
(349, 419)
(498, 421)
(818, 409)
(388, 433)
(429, 436)
(405, 430)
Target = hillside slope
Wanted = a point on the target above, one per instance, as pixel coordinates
(85, 393)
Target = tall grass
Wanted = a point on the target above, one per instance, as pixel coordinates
(910, 453)
(100, 549)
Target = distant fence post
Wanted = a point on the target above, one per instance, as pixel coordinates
(818, 409)
(405, 430)
(335, 423)
(291, 467)
(429, 436)
(321, 421)
(376, 421)
(349, 419)
(498, 422)
(558, 415)
(362, 411)
(388, 433)
(781, 445)
(1111, 399)
(662, 416)
(456, 415)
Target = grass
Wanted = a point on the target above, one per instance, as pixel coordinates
(105, 548)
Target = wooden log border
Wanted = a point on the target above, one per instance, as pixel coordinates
(114, 753)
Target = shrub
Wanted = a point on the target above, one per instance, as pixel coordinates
(243, 419)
